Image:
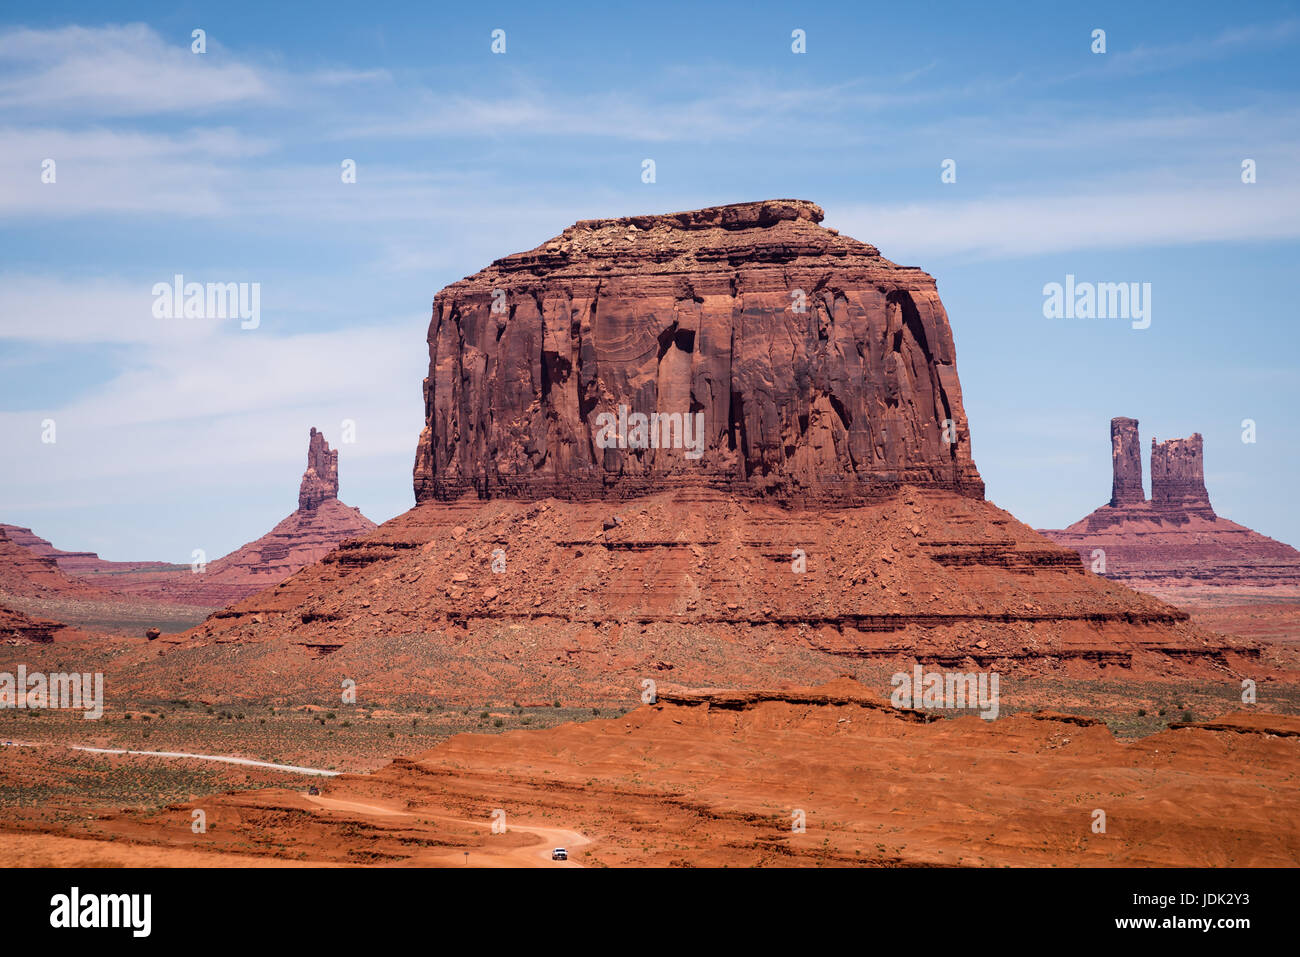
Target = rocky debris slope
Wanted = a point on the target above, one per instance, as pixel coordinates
(794, 361)
(1174, 545)
(695, 588)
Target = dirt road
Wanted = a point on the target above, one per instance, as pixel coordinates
(532, 855)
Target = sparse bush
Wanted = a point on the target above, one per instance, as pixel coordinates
(498, 722)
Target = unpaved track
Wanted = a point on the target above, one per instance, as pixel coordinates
(222, 758)
(529, 856)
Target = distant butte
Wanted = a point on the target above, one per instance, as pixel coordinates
(319, 524)
(1174, 545)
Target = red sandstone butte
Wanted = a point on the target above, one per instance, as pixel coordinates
(610, 567)
(1174, 545)
(822, 370)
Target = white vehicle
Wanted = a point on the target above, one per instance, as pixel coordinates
(559, 854)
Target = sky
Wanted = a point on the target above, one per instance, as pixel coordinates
(226, 166)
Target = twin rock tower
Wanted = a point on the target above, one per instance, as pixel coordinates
(1177, 471)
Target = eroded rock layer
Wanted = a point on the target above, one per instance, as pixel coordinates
(815, 368)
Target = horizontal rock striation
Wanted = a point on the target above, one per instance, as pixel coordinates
(697, 587)
(804, 365)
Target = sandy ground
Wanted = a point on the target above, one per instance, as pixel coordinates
(722, 779)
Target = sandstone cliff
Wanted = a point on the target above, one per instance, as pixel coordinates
(817, 369)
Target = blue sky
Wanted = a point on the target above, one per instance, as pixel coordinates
(1123, 166)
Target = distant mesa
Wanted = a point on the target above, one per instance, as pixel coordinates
(1174, 545)
(34, 572)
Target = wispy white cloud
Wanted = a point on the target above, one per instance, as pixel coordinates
(1151, 58)
(1024, 225)
(131, 71)
(120, 71)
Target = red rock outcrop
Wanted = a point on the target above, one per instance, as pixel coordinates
(1178, 476)
(1126, 462)
(1174, 545)
(321, 480)
(76, 564)
(814, 368)
(19, 627)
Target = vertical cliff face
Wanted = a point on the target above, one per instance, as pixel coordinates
(1126, 462)
(767, 355)
(321, 480)
(1178, 476)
